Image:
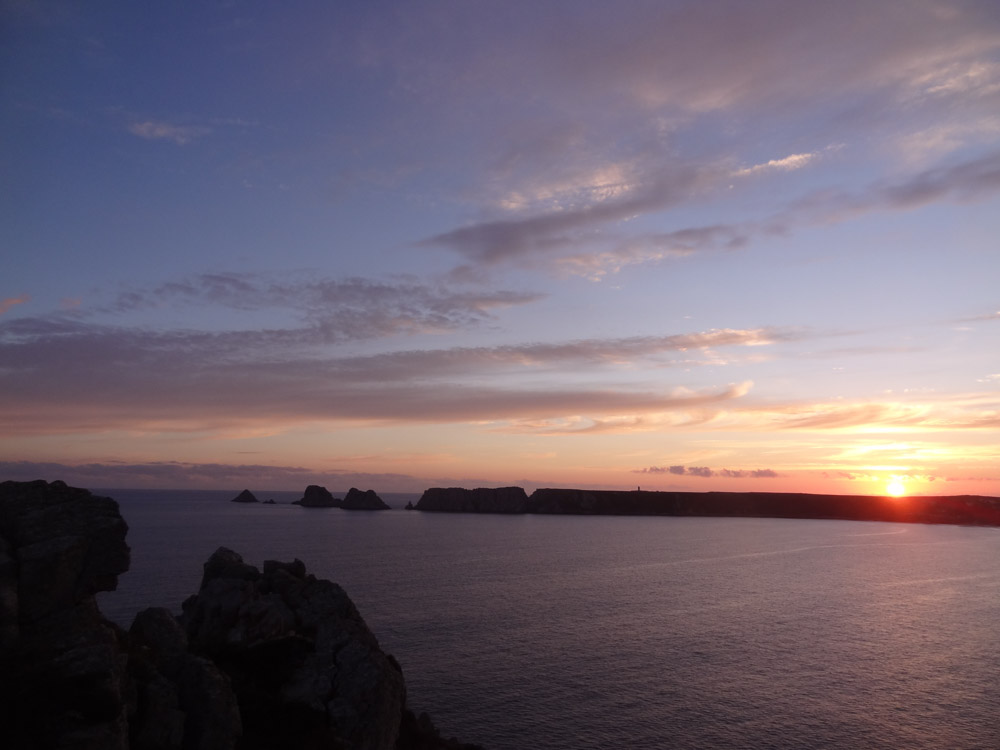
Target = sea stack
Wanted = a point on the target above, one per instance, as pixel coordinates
(317, 497)
(245, 497)
(367, 500)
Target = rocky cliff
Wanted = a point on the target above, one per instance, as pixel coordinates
(953, 509)
(271, 658)
(481, 500)
(63, 678)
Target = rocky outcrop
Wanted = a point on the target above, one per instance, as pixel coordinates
(480, 500)
(259, 659)
(306, 670)
(63, 680)
(181, 700)
(367, 500)
(317, 497)
(245, 497)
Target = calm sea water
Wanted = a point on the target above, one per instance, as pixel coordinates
(536, 632)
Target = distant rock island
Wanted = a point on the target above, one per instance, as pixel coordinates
(367, 500)
(317, 497)
(259, 658)
(245, 497)
(974, 510)
(320, 497)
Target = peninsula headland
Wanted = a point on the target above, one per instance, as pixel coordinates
(974, 510)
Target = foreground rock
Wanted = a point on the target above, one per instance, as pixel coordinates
(259, 659)
(63, 679)
(367, 500)
(317, 497)
(305, 669)
(480, 500)
(245, 497)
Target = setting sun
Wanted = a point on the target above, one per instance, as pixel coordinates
(896, 488)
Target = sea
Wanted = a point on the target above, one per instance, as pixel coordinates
(535, 632)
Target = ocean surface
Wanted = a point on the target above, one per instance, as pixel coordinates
(546, 632)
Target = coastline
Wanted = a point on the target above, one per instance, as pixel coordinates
(974, 510)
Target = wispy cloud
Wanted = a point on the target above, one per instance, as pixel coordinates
(583, 240)
(705, 472)
(7, 304)
(81, 368)
(329, 310)
(504, 240)
(155, 130)
(185, 475)
(786, 164)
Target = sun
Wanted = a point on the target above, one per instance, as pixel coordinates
(896, 488)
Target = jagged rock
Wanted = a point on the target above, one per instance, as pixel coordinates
(303, 663)
(317, 497)
(245, 497)
(259, 660)
(270, 501)
(409, 505)
(183, 700)
(62, 671)
(367, 500)
(480, 500)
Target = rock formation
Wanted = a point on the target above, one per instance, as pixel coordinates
(367, 500)
(245, 497)
(480, 500)
(317, 497)
(305, 669)
(63, 678)
(952, 509)
(955, 509)
(259, 659)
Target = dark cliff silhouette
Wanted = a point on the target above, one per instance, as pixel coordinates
(952, 509)
(259, 659)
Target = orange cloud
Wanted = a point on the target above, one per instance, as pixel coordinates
(10, 302)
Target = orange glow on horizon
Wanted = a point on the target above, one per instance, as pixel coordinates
(896, 488)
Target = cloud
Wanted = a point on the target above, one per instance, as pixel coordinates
(190, 475)
(159, 130)
(505, 240)
(705, 472)
(991, 316)
(7, 304)
(65, 373)
(325, 310)
(582, 240)
(542, 356)
(971, 180)
(787, 164)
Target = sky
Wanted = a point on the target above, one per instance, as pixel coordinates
(698, 246)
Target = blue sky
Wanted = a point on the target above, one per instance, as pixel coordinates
(713, 245)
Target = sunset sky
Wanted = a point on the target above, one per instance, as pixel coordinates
(683, 245)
